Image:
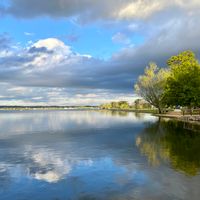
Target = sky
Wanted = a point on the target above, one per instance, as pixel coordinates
(88, 52)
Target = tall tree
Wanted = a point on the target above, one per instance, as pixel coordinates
(183, 84)
(151, 85)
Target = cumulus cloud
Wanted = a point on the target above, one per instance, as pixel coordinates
(49, 72)
(51, 63)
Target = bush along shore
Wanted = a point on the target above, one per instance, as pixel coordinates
(139, 105)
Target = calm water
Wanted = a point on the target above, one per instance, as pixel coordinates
(87, 155)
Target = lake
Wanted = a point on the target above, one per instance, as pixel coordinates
(102, 155)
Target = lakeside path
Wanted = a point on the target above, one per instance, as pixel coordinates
(194, 119)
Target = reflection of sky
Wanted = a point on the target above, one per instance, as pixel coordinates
(65, 162)
(83, 176)
(23, 122)
(89, 178)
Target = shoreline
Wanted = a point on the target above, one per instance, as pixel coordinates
(192, 119)
(132, 110)
(24, 108)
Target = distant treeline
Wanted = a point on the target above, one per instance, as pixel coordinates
(124, 105)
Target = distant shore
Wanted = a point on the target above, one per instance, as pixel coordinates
(4, 108)
(154, 111)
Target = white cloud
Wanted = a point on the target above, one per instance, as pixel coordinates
(140, 9)
(52, 44)
(52, 53)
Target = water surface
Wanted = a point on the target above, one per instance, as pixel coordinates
(78, 155)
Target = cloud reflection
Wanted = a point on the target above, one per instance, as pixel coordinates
(87, 162)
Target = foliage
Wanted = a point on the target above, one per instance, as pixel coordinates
(151, 85)
(176, 85)
(124, 105)
(116, 105)
(183, 84)
(141, 104)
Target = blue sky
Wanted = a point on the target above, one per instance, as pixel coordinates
(61, 52)
(94, 39)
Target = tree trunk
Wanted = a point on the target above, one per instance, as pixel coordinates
(159, 110)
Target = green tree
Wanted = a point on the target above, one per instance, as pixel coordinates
(137, 103)
(116, 105)
(123, 105)
(106, 106)
(183, 84)
(141, 104)
(151, 85)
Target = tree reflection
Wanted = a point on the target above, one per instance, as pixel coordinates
(137, 115)
(167, 141)
(115, 113)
